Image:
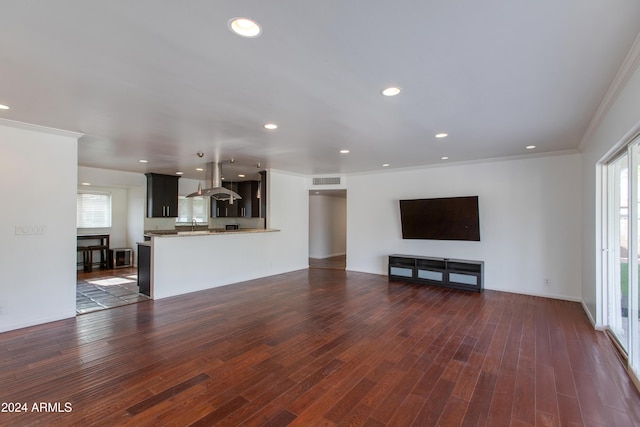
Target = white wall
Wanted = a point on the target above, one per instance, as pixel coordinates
(615, 129)
(136, 199)
(327, 226)
(530, 221)
(38, 169)
(288, 211)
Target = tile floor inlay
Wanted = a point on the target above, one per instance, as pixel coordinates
(106, 292)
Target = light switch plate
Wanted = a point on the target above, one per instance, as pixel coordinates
(28, 230)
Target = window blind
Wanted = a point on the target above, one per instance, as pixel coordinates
(93, 210)
(190, 209)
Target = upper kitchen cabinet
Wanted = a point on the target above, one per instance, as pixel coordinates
(247, 207)
(222, 208)
(162, 195)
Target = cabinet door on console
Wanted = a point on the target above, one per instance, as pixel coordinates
(401, 267)
(144, 269)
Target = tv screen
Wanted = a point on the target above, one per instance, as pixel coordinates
(449, 218)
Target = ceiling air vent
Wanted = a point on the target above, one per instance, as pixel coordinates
(327, 181)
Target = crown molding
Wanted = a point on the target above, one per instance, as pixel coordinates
(570, 152)
(628, 67)
(38, 128)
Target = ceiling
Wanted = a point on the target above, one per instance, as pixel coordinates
(161, 80)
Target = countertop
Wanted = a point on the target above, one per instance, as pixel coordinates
(213, 231)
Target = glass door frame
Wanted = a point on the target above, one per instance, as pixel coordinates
(610, 233)
(611, 288)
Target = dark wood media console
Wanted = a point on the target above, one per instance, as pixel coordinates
(450, 273)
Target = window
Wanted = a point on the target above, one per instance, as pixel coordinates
(192, 209)
(93, 210)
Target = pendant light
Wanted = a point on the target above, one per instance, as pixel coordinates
(199, 192)
(258, 191)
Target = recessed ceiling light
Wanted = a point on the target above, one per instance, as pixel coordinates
(391, 91)
(179, 173)
(344, 151)
(245, 27)
(142, 161)
(199, 169)
(86, 183)
(530, 147)
(4, 107)
(271, 126)
(444, 158)
(317, 192)
(442, 135)
(241, 175)
(384, 165)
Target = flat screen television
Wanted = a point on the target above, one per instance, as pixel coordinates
(448, 218)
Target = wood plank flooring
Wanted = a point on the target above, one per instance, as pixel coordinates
(320, 347)
(338, 262)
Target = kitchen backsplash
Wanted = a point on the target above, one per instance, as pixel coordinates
(151, 224)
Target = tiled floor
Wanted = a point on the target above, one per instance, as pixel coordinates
(107, 289)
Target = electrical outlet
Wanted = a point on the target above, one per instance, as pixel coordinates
(547, 282)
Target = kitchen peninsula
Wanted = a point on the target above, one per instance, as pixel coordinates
(189, 261)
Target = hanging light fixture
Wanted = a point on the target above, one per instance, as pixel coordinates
(199, 192)
(258, 191)
(216, 190)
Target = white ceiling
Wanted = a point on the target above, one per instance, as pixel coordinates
(163, 79)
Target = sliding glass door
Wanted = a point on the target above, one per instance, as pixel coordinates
(617, 288)
(623, 241)
(633, 295)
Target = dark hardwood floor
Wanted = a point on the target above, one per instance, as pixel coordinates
(320, 347)
(338, 262)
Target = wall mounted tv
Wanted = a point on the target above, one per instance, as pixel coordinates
(448, 218)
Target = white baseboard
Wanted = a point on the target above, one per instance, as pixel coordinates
(590, 317)
(536, 294)
(38, 321)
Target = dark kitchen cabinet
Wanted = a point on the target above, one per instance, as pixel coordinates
(144, 269)
(162, 195)
(224, 208)
(247, 207)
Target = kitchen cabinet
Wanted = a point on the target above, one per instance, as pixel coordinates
(223, 208)
(144, 269)
(247, 207)
(162, 195)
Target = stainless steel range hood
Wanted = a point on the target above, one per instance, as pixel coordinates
(215, 190)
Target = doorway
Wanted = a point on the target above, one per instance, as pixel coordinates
(328, 229)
